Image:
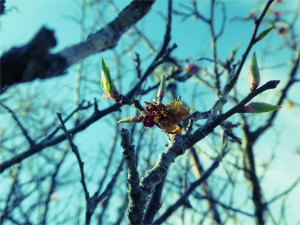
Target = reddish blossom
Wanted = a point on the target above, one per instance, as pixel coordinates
(192, 68)
(277, 14)
(166, 116)
(282, 31)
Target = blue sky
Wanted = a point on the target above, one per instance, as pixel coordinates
(26, 17)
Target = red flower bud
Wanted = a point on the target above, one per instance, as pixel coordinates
(277, 14)
(192, 68)
(282, 31)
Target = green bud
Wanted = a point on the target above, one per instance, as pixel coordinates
(131, 119)
(106, 81)
(264, 33)
(234, 51)
(259, 107)
(162, 89)
(254, 76)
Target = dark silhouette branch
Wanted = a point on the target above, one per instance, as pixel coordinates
(34, 60)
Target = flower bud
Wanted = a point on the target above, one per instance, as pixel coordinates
(251, 15)
(283, 31)
(254, 76)
(233, 52)
(277, 14)
(192, 68)
(107, 84)
(106, 81)
(131, 119)
(263, 34)
(259, 107)
(162, 89)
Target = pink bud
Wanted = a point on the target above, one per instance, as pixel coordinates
(282, 31)
(192, 68)
(248, 108)
(251, 15)
(277, 14)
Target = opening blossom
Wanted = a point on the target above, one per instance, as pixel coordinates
(166, 116)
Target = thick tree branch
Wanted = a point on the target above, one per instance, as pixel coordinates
(136, 196)
(33, 60)
(154, 203)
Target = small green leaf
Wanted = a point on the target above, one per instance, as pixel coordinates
(260, 107)
(162, 88)
(263, 34)
(234, 51)
(131, 119)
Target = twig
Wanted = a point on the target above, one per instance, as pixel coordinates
(80, 163)
(110, 185)
(284, 193)
(20, 125)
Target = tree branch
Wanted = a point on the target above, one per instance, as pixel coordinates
(81, 168)
(136, 196)
(33, 60)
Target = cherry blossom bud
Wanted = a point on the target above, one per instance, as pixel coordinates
(254, 76)
(259, 107)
